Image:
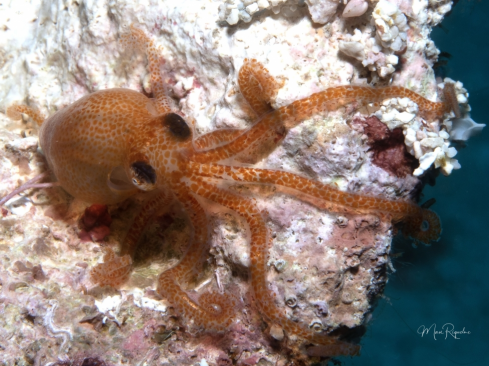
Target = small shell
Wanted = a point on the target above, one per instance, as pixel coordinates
(280, 265)
(291, 301)
(316, 326)
(342, 221)
(355, 8)
(277, 332)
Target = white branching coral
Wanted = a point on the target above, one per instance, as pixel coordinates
(431, 11)
(377, 46)
(397, 112)
(460, 125)
(232, 11)
(322, 11)
(426, 143)
(391, 25)
(430, 142)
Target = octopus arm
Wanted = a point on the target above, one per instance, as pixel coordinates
(15, 112)
(214, 311)
(216, 138)
(274, 125)
(136, 39)
(259, 242)
(421, 224)
(257, 86)
(142, 219)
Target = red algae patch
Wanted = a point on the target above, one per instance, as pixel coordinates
(388, 147)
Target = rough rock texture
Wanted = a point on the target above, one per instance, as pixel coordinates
(326, 268)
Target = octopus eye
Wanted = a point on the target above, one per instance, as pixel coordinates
(177, 126)
(143, 175)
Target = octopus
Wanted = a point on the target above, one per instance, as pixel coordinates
(112, 144)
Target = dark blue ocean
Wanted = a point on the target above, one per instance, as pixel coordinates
(448, 282)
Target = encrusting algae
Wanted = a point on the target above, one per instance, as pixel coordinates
(111, 144)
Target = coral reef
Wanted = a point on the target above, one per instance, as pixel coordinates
(232, 11)
(325, 267)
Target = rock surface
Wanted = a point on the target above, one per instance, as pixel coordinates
(326, 268)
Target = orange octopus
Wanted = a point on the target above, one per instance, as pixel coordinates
(111, 144)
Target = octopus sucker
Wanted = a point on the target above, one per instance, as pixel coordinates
(112, 144)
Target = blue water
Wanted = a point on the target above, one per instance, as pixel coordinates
(446, 283)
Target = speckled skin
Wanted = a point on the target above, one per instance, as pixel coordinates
(84, 142)
(112, 143)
